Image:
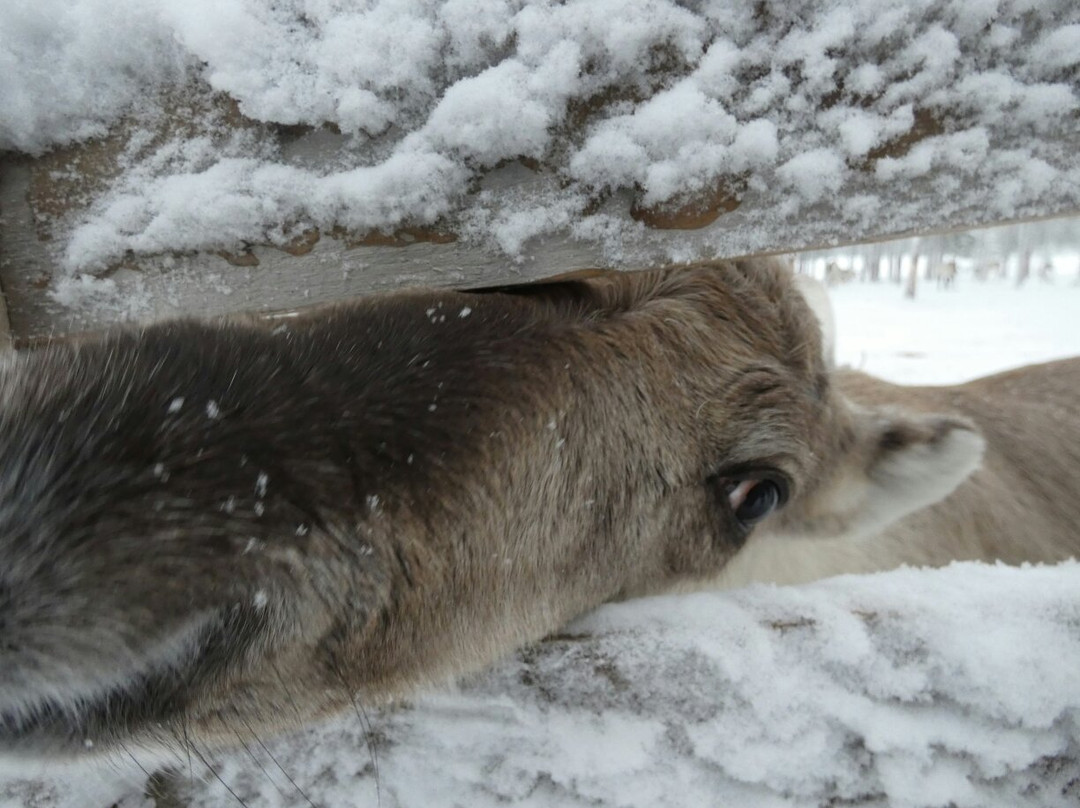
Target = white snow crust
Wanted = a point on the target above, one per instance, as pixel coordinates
(915, 688)
(951, 687)
(786, 100)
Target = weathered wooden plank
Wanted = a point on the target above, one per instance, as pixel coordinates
(209, 285)
(272, 279)
(819, 133)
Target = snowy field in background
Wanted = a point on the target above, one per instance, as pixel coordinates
(912, 688)
(952, 335)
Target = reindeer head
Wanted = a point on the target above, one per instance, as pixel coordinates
(213, 530)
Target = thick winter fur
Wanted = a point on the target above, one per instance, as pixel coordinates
(1021, 502)
(210, 531)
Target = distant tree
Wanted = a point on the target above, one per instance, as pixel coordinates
(913, 272)
(871, 268)
(959, 244)
(1023, 270)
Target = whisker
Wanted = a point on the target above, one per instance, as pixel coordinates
(180, 736)
(134, 759)
(365, 727)
(258, 762)
(281, 768)
(187, 749)
(153, 781)
(288, 693)
(218, 777)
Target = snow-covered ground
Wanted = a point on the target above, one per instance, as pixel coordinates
(912, 688)
(952, 335)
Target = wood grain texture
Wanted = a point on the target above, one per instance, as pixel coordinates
(321, 268)
(126, 227)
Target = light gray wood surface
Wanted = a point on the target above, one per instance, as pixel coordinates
(951, 158)
(206, 284)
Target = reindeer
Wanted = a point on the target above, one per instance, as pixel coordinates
(1011, 458)
(989, 270)
(945, 274)
(835, 275)
(215, 530)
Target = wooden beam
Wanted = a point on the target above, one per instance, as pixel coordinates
(947, 162)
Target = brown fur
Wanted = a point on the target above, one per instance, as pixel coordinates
(1022, 504)
(1019, 505)
(373, 496)
(213, 529)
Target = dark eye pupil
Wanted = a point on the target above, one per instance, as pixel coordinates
(760, 501)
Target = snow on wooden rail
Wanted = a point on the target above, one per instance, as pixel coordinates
(207, 157)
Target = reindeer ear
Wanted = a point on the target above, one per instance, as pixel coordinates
(909, 462)
(917, 461)
(899, 463)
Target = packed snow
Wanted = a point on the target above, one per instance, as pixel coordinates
(910, 688)
(951, 687)
(412, 103)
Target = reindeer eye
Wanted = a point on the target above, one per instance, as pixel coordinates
(754, 499)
